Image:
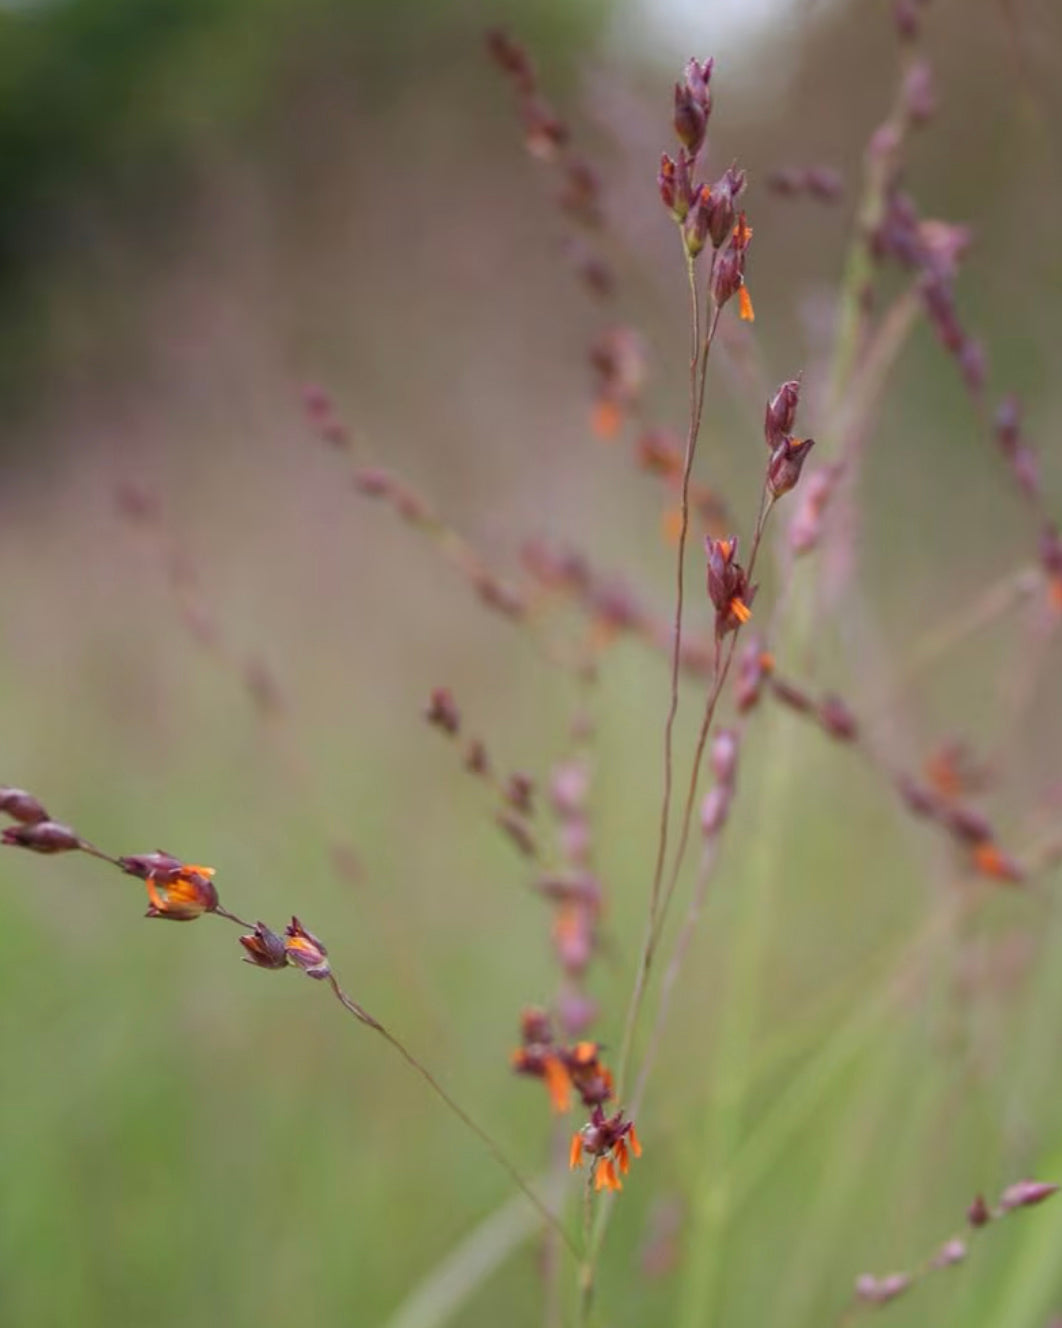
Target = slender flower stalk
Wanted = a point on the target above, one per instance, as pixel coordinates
(705, 873)
(939, 796)
(698, 376)
(363, 1017)
(182, 892)
(875, 1291)
(767, 501)
(723, 659)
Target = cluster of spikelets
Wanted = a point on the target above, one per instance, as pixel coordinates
(716, 237)
(177, 891)
(608, 1141)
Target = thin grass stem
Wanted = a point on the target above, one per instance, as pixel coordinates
(719, 678)
(363, 1016)
(698, 373)
(698, 379)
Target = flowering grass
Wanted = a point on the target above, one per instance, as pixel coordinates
(697, 1013)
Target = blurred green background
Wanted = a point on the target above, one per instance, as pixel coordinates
(207, 203)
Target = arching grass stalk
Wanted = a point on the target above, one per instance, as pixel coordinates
(182, 892)
(363, 1016)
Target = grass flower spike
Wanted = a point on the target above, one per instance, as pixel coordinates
(609, 1142)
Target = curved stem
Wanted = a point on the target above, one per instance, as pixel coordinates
(94, 852)
(363, 1016)
(232, 917)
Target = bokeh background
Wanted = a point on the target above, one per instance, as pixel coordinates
(207, 203)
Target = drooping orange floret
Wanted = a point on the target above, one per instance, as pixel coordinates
(622, 1157)
(745, 309)
(557, 1083)
(740, 609)
(610, 1141)
(547, 1065)
(158, 901)
(605, 1177)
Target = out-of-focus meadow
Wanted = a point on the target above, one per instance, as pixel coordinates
(207, 205)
